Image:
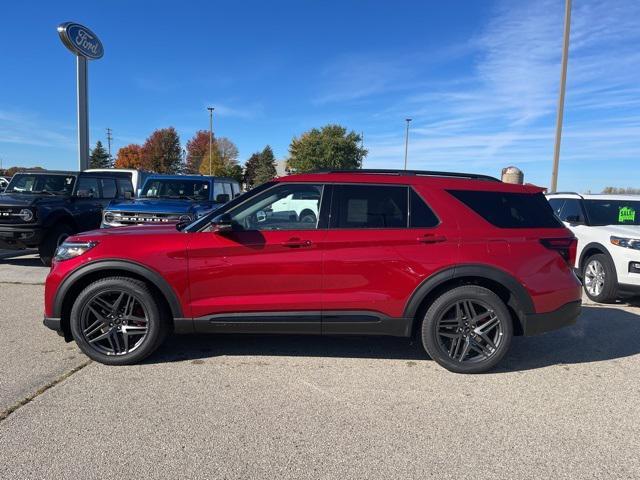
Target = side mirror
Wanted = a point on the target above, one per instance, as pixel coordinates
(574, 220)
(222, 198)
(222, 224)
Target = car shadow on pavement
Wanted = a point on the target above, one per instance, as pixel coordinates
(601, 333)
(23, 262)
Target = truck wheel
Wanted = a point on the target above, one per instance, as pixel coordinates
(600, 282)
(307, 216)
(51, 241)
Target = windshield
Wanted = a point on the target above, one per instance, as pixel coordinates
(613, 212)
(41, 183)
(184, 189)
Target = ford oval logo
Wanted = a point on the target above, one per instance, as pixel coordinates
(80, 40)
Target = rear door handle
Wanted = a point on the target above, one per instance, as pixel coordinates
(431, 238)
(297, 243)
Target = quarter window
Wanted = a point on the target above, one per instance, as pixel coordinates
(420, 216)
(369, 206)
(571, 212)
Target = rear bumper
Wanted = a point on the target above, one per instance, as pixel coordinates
(536, 323)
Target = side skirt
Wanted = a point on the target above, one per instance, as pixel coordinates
(309, 323)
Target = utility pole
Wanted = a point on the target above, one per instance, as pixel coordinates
(211, 109)
(406, 142)
(563, 84)
(109, 139)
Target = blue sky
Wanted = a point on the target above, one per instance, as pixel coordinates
(479, 78)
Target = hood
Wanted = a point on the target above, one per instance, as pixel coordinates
(27, 199)
(151, 205)
(629, 231)
(138, 230)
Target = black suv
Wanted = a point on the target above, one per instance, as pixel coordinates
(41, 209)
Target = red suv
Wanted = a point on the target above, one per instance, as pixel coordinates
(462, 261)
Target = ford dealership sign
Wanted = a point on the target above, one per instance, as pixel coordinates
(80, 40)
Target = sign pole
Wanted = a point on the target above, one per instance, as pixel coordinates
(83, 113)
(85, 45)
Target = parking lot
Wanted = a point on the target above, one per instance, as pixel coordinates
(563, 405)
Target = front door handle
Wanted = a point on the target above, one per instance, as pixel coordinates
(432, 238)
(297, 243)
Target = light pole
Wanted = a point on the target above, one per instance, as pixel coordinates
(211, 109)
(406, 142)
(563, 84)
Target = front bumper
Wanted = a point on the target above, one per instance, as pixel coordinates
(536, 323)
(12, 237)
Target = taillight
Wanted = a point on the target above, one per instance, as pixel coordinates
(566, 247)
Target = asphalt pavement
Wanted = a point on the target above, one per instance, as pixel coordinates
(563, 405)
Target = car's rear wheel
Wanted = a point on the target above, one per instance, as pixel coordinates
(117, 321)
(467, 329)
(599, 277)
(53, 240)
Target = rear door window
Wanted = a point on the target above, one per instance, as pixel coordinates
(571, 212)
(510, 210)
(369, 206)
(88, 187)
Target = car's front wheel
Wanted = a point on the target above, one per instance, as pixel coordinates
(117, 321)
(599, 277)
(467, 329)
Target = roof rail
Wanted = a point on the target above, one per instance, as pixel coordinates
(565, 193)
(427, 173)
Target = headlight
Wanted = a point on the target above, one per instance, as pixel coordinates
(73, 249)
(113, 219)
(626, 242)
(26, 215)
(185, 219)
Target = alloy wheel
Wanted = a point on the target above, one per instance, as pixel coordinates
(594, 278)
(114, 322)
(469, 331)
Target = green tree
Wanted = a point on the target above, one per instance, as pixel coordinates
(250, 170)
(329, 147)
(224, 158)
(161, 152)
(235, 172)
(99, 157)
(266, 167)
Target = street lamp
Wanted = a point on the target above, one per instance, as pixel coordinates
(211, 109)
(406, 142)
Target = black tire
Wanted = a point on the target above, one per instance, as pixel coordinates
(307, 216)
(51, 241)
(447, 321)
(157, 322)
(599, 279)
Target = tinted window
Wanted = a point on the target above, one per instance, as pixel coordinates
(28, 183)
(108, 187)
(510, 210)
(613, 212)
(420, 215)
(369, 206)
(227, 189)
(125, 186)
(88, 187)
(236, 189)
(571, 211)
(277, 209)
